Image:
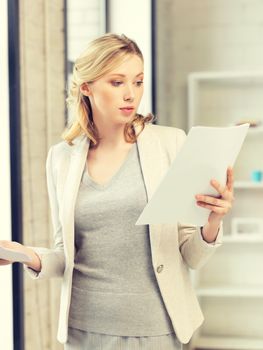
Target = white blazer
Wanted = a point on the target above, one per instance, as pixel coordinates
(174, 248)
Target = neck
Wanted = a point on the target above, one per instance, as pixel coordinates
(111, 136)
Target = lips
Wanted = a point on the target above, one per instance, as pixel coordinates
(128, 108)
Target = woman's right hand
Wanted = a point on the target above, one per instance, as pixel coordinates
(10, 245)
(35, 261)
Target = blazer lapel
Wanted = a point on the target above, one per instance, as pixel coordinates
(76, 166)
(154, 168)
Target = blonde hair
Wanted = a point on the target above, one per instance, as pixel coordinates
(102, 55)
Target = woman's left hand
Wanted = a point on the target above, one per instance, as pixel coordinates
(221, 205)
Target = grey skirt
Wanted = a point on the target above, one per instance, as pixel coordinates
(81, 340)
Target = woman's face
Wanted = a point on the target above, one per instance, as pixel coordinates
(115, 97)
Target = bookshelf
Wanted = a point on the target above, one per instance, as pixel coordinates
(230, 285)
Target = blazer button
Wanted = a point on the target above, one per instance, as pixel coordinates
(160, 268)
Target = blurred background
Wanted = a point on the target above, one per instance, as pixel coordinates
(203, 66)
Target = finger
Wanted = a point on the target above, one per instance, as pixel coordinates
(4, 262)
(219, 188)
(230, 178)
(214, 201)
(215, 209)
(224, 191)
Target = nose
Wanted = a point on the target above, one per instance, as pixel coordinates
(128, 94)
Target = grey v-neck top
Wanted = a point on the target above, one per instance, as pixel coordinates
(114, 287)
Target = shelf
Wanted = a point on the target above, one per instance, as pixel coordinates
(221, 343)
(243, 238)
(206, 76)
(240, 292)
(248, 184)
(229, 288)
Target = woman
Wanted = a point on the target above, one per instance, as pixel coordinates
(124, 286)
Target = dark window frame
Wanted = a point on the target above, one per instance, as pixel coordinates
(15, 164)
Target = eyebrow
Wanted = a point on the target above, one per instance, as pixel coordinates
(123, 75)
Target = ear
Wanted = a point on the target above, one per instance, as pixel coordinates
(85, 89)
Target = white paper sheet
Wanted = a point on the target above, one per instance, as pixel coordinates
(12, 255)
(205, 155)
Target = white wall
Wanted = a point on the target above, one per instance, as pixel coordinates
(85, 21)
(218, 35)
(133, 18)
(6, 319)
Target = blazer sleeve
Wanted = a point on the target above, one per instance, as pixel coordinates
(52, 260)
(194, 249)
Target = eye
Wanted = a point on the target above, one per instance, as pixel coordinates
(116, 83)
(139, 82)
